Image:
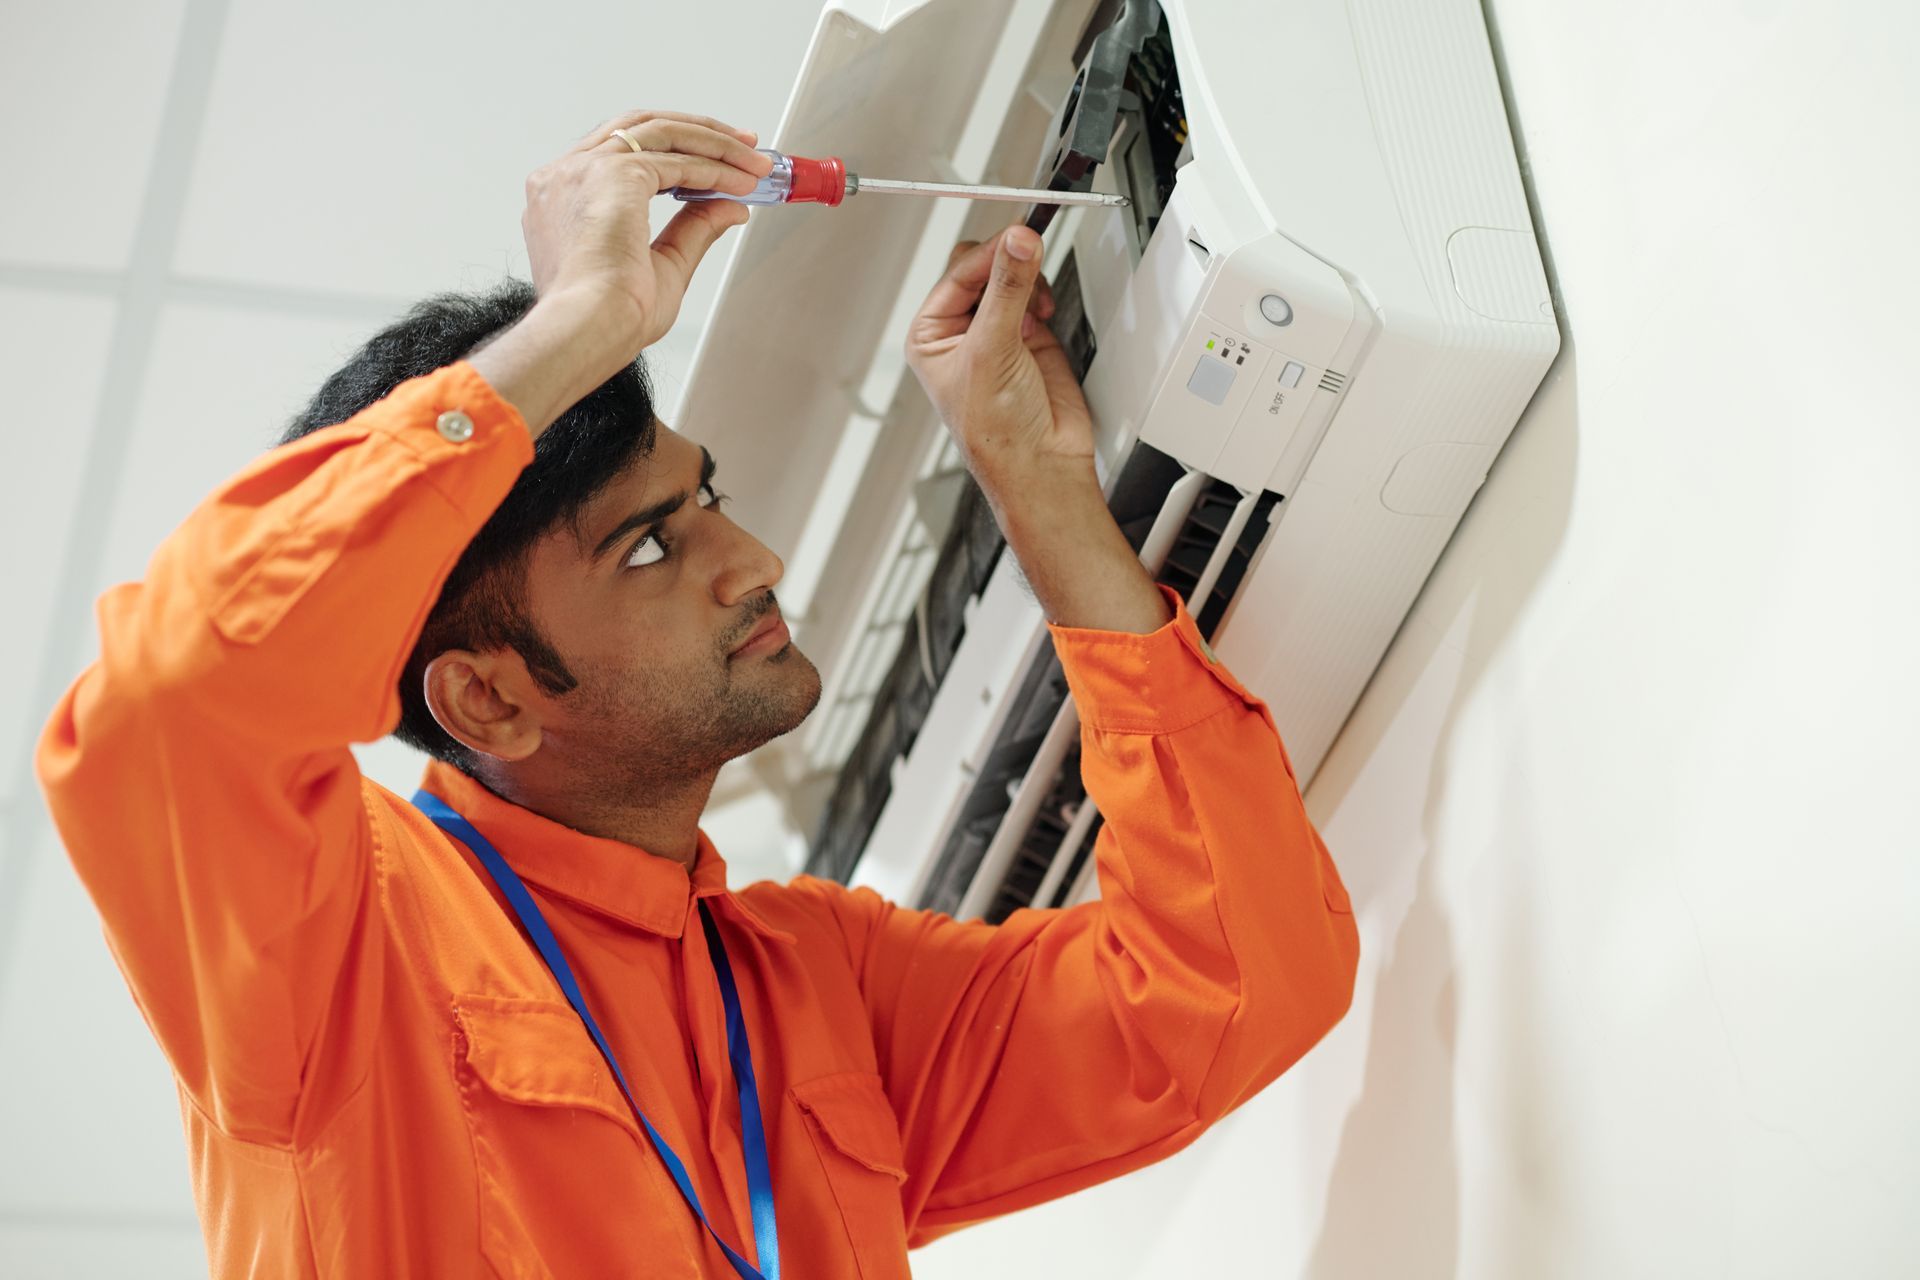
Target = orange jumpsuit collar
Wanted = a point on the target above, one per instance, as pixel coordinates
(620, 881)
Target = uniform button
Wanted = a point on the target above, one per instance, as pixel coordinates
(455, 426)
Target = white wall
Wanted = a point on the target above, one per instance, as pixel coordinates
(1623, 811)
(1629, 810)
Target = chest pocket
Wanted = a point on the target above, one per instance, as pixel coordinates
(568, 1185)
(857, 1141)
(535, 1052)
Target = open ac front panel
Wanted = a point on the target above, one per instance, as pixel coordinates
(1303, 344)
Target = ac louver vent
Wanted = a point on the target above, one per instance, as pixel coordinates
(1065, 826)
(1031, 780)
(904, 697)
(993, 862)
(1334, 382)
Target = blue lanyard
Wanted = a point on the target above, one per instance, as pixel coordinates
(753, 1135)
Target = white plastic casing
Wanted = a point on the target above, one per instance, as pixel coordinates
(1351, 157)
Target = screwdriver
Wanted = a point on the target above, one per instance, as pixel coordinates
(798, 180)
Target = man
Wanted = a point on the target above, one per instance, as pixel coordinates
(522, 1027)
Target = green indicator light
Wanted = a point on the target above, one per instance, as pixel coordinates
(1209, 344)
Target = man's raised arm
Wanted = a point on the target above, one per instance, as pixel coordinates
(1064, 1047)
(199, 770)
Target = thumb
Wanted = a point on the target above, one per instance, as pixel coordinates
(1016, 265)
(689, 234)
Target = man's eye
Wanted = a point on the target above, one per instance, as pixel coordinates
(711, 497)
(647, 551)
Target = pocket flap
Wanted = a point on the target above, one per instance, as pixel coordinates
(537, 1052)
(853, 1112)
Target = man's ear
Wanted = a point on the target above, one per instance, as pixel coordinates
(483, 702)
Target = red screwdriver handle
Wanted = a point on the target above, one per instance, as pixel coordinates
(818, 181)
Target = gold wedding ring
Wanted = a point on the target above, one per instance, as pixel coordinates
(627, 138)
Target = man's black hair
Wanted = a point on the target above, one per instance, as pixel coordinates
(483, 604)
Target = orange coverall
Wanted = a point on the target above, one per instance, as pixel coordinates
(379, 1078)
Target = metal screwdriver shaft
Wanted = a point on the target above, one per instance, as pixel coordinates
(857, 185)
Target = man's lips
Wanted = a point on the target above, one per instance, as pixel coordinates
(770, 636)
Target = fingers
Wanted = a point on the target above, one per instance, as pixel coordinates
(968, 267)
(1042, 304)
(1064, 395)
(680, 153)
(681, 138)
(671, 169)
(684, 241)
(1039, 312)
(958, 291)
(632, 119)
(1008, 287)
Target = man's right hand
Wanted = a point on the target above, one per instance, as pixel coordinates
(607, 286)
(586, 220)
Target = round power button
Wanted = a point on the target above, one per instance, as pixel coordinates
(1276, 310)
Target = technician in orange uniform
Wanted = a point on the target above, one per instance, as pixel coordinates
(479, 537)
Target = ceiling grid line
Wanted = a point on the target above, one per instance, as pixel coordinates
(141, 297)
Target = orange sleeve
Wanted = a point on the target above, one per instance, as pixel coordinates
(1065, 1047)
(198, 771)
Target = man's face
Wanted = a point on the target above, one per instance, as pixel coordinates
(663, 610)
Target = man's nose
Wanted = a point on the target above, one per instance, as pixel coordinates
(747, 567)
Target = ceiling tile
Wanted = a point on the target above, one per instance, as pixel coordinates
(84, 77)
(370, 147)
(53, 353)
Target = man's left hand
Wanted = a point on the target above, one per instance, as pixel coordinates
(995, 371)
(1005, 390)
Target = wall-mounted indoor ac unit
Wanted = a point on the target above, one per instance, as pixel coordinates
(1303, 342)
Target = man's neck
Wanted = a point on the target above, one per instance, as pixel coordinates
(666, 823)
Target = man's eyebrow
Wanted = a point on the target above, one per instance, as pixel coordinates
(651, 514)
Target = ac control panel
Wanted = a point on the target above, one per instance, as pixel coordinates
(1244, 375)
(1230, 404)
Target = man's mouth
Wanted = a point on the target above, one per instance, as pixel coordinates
(770, 636)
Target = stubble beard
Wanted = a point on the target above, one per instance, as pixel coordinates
(669, 730)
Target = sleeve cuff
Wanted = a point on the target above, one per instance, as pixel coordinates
(1160, 682)
(456, 418)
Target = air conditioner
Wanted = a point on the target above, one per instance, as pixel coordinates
(1303, 343)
